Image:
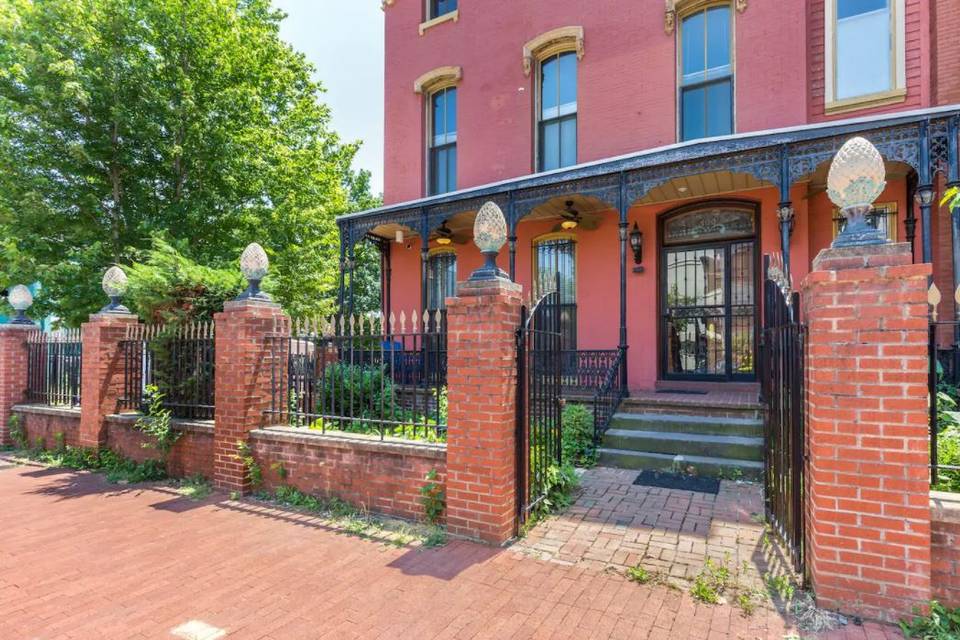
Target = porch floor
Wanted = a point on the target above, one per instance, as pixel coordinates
(615, 524)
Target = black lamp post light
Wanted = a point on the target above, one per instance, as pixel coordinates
(636, 243)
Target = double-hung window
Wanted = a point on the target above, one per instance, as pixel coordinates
(557, 113)
(442, 144)
(706, 73)
(865, 56)
(441, 8)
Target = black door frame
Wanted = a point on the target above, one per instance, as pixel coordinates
(662, 352)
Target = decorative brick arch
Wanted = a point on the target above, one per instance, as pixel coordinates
(438, 78)
(552, 42)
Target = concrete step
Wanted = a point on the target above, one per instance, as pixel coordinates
(689, 424)
(685, 444)
(705, 465)
(691, 405)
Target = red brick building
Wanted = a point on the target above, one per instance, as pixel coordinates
(649, 154)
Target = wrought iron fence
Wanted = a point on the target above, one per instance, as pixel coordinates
(943, 383)
(363, 375)
(178, 360)
(609, 394)
(585, 371)
(54, 362)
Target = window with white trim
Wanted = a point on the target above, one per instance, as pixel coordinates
(706, 73)
(557, 112)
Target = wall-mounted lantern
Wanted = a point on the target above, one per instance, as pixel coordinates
(636, 243)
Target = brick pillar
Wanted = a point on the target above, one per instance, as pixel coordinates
(13, 373)
(244, 370)
(101, 384)
(482, 387)
(867, 493)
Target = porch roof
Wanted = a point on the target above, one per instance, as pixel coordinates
(779, 157)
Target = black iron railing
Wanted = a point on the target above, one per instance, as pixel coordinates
(363, 376)
(943, 384)
(54, 362)
(609, 394)
(584, 371)
(176, 359)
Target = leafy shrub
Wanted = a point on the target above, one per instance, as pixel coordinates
(940, 624)
(432, 498)
(17, 432)
(577, 436)
(245, 456)
(948, 437)
(156, 424)
(561, 481)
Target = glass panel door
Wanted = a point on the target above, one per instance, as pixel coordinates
(709, 311)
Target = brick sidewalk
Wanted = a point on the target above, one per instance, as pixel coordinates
(669, 532)
(83, 559)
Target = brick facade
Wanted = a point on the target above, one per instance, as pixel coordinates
(867, 503)
(244, 364)
(102, 375)
(946, 48)
(481, 374)
(13, 373)
(945, 548)
(382, 476)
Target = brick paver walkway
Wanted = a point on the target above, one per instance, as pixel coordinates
(617, 524)
(83, 559)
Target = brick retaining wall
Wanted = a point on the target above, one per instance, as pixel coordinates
(41, 421)
(191, 455)
(382, 476)
(945, 547)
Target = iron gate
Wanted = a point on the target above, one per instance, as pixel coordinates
(539, 368)
(783, 349)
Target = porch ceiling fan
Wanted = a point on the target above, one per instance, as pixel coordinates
(573, 219)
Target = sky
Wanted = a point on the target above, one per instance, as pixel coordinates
(344, 41)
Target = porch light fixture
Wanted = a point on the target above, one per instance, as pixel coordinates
(571, 217)
(444, 234)
(636, 243)
(254, 264)
(489, 234)
(857, 177)
(399, 236)
(114, 284)
(20, 299)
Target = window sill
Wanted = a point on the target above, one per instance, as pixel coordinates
(447, 17)
(866, 102)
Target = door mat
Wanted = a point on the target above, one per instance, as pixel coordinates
(669, 480)
(686, 392)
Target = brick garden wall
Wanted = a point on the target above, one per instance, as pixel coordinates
(382, 476)
(46, 422)
(945, 547)
(191, 455)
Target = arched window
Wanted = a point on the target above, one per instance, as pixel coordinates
(441, 277)
(706, 73)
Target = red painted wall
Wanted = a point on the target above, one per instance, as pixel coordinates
(626, 80)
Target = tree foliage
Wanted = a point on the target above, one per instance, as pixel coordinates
(122, 121)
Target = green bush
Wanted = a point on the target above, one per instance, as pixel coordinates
(577, 436)
(948, 437)
(940, 624)
(561, 483)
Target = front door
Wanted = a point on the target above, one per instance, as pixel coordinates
(708, 284)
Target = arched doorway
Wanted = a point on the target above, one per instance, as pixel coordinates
(708, 292)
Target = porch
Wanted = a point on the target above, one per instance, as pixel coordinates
(657, 255)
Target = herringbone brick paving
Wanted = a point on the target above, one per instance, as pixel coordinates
(83, 559)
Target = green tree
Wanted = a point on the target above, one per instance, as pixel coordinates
(126, 120)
